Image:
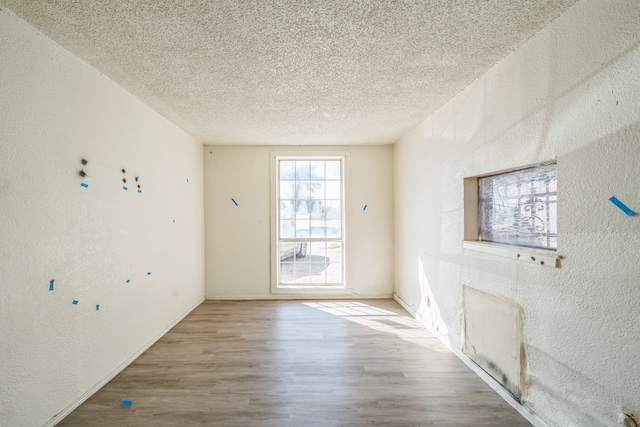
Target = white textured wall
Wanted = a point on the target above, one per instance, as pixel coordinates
(54, 110)
(571, 92)
(238, 238)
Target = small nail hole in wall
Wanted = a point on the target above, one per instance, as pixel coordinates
(124, 171)
(82, 173)
(84, 161)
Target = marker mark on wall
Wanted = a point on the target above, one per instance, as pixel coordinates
(365, 208)
(234, 201)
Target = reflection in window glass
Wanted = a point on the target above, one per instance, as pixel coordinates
(520, 208)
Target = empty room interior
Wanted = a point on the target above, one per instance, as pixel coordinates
(320, 213)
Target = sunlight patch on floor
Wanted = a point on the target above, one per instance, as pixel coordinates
(403, 326)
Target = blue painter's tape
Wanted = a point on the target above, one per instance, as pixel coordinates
(97, 307)
(51, 282)
(126, 402)
(124, 188)
(128, 280)
(84, 184)
(148, 273)
(234, 201)
(139, 191)
(621, 205)
(365, 208)
(74, 302)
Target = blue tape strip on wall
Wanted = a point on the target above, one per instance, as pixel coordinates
(51, 282)
(621, 205)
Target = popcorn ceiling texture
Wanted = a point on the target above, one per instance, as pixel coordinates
(291, 71)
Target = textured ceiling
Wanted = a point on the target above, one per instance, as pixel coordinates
(291, 71)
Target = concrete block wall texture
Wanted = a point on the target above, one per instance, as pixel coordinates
(238, 238)
(56, 110)
(570, 93)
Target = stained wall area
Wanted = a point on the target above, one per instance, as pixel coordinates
(571, 93)
(238, 238)
(131, 269)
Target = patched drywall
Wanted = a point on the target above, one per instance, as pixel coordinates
(493, 337)
(118, 253)
(238, 238)
(571, 93)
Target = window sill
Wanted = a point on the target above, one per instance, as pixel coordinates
(300, 289)
(532, 256)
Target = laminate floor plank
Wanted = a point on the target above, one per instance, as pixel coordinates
(297, 364)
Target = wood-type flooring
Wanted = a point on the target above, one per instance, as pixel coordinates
(297, 364)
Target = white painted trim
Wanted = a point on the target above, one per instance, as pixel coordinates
(527, 413)
(321, 291)
(519, 253)
(97, 386)
(299, 297)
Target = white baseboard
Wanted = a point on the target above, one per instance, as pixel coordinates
(527, 413)
(296, 297)
(87, 394)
